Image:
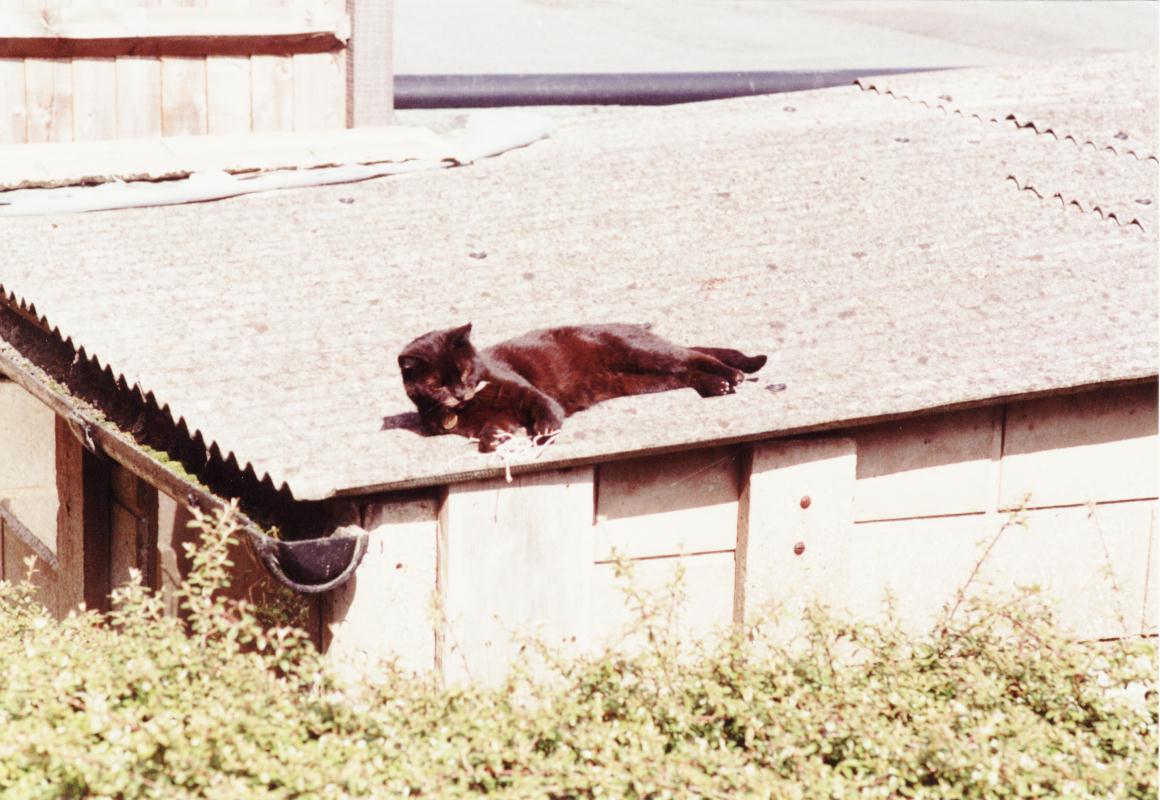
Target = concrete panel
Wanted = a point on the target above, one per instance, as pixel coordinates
(682, 502)
(27, 441)
(919, 562)
(1067, 552)
(792, 543)
(514, 559)
(927, 466)
(36, 509)
(386, 611)
(1075, 449)
(702, 604)
(28, 461)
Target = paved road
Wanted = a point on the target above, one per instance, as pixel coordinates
(469, 36)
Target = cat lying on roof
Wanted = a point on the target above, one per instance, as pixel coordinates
(533, 381)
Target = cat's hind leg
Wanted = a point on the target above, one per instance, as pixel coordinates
(710, 385)
(631, 350)
(734, 358)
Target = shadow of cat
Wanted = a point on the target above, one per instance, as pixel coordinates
(407, 420)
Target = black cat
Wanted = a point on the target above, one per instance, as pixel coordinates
(535, 380)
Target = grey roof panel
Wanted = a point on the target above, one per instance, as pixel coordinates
(875, 249)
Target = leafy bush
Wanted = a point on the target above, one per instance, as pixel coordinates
(996, 703)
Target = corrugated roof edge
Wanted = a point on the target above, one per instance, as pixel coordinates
(1013, 118)
(141, 419)
(309, 566)
(150, 423)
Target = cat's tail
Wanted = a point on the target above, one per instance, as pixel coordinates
(734, 358)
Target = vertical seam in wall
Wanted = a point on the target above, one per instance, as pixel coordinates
(72, 98)
(161, 95)
(116, 100)
(24, 82)
(998, 448)
(1148, 571)
(441, 620)
(249, 89)
(205, 92)
(595, 496)
(741, 544)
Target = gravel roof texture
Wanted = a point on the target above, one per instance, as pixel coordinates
(891, 256)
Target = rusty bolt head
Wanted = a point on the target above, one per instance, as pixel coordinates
(799, 548)
(805, 501)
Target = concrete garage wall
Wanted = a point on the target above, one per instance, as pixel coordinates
(28, 488)
(907, 506)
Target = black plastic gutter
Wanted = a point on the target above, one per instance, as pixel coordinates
(615, 88)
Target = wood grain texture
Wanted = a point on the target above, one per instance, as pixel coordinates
(82, 524)
(172, 530)
(183, 101)
(514, 559)
(47, 583)
(272, 93)
(48, 97)
(94, 98)
(93, 29)
(138, 97)
(319, 91)
(13, 117)
(133, 528)
(227, 94)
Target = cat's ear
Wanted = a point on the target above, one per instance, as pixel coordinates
(461, 334)
(408, 364)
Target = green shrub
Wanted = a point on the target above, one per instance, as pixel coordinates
(998, 703)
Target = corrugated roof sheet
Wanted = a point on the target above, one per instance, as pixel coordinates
(885, 254)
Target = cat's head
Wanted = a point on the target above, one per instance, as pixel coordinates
(441, 368)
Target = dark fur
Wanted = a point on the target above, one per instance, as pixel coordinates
(535, 380)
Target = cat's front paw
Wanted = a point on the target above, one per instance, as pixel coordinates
(545, 417)
(493, 434)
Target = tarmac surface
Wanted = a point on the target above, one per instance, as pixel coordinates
(577, 36)
(460, 36)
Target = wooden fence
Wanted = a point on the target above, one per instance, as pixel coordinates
(75, 70)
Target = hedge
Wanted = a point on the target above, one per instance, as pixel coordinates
(996, 702)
